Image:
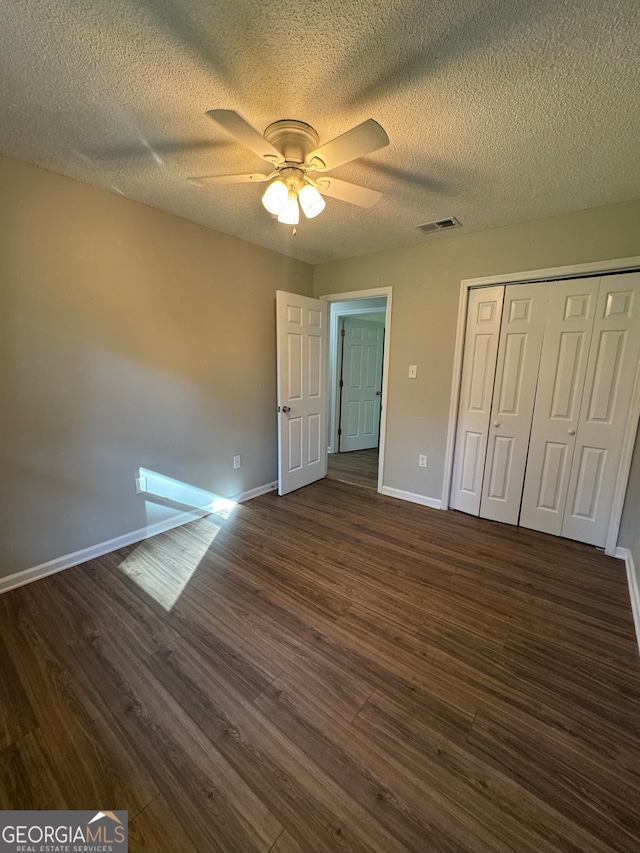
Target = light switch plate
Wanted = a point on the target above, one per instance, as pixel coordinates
(413, 371)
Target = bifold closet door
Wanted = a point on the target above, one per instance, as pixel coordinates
(609, 383)
(484, 312)
(521, 334)
(541, 445)
(563, 364)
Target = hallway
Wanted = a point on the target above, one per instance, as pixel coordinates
(360, 467)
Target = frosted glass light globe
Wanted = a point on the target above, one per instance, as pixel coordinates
(275, 197)
(311, 201)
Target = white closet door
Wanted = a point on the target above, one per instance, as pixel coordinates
(609, 383)
(484, 314)
(570, 315)
(523, 321)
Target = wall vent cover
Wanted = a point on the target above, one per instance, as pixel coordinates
(439, 225)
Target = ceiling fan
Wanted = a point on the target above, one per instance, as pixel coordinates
(297, 178)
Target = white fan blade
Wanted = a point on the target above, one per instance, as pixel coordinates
(245, 133)
(360, 140)
(362, 196)
(212, 180)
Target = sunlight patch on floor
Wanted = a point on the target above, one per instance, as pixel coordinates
(163, 565)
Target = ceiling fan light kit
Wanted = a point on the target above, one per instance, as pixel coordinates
(291, 148)
(282, 197)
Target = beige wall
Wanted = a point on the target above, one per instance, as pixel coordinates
(128, 337)
(426, 287)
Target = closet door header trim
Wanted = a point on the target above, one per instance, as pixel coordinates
(616, 265)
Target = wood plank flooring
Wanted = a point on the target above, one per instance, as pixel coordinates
(332, 671)
(359, 467)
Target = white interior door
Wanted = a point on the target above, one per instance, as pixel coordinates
(302, 336)
(362, 351)
(523, 321)
(484, 315)
(567, 337)
(610, 378)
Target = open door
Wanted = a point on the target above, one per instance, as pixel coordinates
(302, 390)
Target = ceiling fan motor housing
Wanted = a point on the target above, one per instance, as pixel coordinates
(294, 139)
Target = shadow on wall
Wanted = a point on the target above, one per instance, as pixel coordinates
(152, 565)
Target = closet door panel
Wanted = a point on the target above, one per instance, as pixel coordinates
(571, 310)
(484, 314)
(518, 362)
(609, 382)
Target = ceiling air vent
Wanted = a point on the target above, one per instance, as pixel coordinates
(439, 225)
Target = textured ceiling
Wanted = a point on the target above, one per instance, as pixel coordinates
(497, 111)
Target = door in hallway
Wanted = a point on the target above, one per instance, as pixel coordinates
(363, 342)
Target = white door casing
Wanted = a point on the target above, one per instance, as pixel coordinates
(362, 352)
(387, 293)
(302, 334)
(521, 334)
(563, 364)
(484, 315)
(609, 383)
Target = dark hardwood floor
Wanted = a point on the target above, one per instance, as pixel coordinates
(331, 671)
(360, 467)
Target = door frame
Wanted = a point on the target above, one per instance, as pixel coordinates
(371, 293)
(615, 265)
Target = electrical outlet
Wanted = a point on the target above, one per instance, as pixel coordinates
(141, 485)
(236, 461)
(422, 460)
(413, 371)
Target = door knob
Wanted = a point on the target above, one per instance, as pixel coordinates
(378, 393)
(496, 424)
(571, 431)
(286, 409)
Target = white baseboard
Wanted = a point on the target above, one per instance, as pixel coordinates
(434, 503)
(633, 580)
(254, 493)
(69, 560)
